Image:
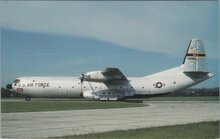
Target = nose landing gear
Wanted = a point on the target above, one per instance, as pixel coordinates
(27, 98)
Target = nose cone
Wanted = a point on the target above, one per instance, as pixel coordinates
(9, 86)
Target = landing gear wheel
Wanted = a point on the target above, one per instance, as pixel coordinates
(27, 98)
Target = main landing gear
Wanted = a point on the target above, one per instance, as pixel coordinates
(27, 98)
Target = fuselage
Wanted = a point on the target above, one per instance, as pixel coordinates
(71, 87)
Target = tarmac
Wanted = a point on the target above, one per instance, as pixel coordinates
(61, 123)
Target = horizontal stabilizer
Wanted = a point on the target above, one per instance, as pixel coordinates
(198, 74)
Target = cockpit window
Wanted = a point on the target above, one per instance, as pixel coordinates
(16, 82)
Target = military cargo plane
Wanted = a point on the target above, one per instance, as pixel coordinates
(112, 84)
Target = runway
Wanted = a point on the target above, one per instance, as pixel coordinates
(60, 123)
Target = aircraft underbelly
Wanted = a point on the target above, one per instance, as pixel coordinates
(53, 92)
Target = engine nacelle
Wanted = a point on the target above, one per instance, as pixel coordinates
(90, 95)
(95, 76)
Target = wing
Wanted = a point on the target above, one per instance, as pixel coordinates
(108, 76)
(115, 79)
(113, 74)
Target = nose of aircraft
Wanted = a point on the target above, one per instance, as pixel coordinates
(9, 86)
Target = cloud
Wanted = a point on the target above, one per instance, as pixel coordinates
(143, 25)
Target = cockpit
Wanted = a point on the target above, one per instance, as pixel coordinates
(16, 82)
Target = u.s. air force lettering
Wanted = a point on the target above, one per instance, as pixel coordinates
(43, 85)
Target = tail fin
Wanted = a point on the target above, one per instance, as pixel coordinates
(195, 58)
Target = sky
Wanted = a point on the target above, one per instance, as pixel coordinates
(54, 38)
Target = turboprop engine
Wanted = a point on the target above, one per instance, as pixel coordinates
(94, 76)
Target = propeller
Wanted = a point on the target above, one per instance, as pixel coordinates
(82, 76)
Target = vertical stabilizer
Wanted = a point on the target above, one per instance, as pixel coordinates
(195, 58)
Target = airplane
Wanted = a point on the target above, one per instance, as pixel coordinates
(112, 84)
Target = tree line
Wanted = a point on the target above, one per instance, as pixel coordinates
(5, 93)
(197, 92)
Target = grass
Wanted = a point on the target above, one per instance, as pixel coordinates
(55, 105)
(185, 98)
(19, 105)
(203, 130)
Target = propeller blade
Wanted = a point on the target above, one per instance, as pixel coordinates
(82, 77)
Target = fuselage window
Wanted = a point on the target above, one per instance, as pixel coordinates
(16, 82)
